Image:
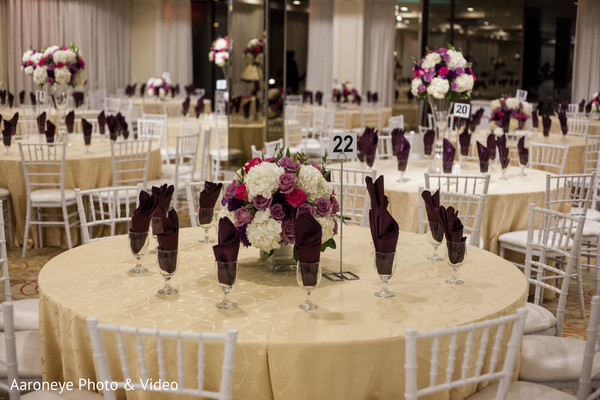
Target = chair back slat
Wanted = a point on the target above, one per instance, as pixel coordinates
(352, 195)
(548, 157)
(473, 184)
(130, 161)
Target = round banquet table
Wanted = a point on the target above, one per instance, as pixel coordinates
(352, 347)
(505, 206)
(594, 128)
(82, 170)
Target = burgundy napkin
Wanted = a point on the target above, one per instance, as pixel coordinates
(87, 131)
(140, 221)
(6, 133)
(384, 228)
(367, 145)
(484, 157)
(11, 99)
(123, 127)
(163, 194)
(428, 139)
(70, 121)
(375, 97)
(168, 240)
(246, 108)
(432, 208)
(503, 151)
(453, 229)
(476, 118)
(101, 122)
(308, 244)
(14, 123)
(173, 91)
(189, 89)
(2, 96)
(111, 122)
(588, 108)
(185, 106)
(464, 139)
(199, 106)
(397, 133)
(78, 98)
(142, 90)
(562, 118)
(32, 98)
(523, 152)
(227, 251)
(491, 146)
(534, 119)
(448, 156)
(581, 105)
(369, 96)
(210, 194)
(22, 97)
(505, 121)
(319, 97)
(257, 102)
(402, 152)
(50, 131)
(376, 193)
(546, 124)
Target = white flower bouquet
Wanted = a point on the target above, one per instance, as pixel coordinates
(55, 65)
(219, 51)
(344, 93)
(511, 111)
(158, 87)
(595, 100)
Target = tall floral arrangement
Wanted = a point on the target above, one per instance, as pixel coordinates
(275, 97)
(519, 111)
(267, 195)
(595, 100)
(255, 46)
(219, 51)
(443, 74)
(159, 87)
(344, 92)
(55, 65)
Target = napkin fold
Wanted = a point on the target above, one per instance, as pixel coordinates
(523, 152)
(534, 119)
(319, 97)
(22, 97)
(546, 124)
(484, 157)
(2, 97)
(384, 228)
(70, 121)
(210, 194)
(588, 108)
(87, 131)
(32, 98)
(111, 122)
(307, 97)
(78, 97)
(185, 106)
(581, 105)
(432, 208)
(376, 192)
(562, 118)
(199, 107)
(226, 251)
(14, 122)
(164, 195)
(101, 122)
(367, 146)
(246, 108)
(375, 97)
(402, 151)
(307, 232)
(448, 156)
(491, 146)
(464, 139)
(142, 89)
(453, 230)
(396, 134)
(50, 131)
(168, 240)
(503, 151)
(189, 89)
(11, 99)
(428, 139)
(6, 133)
(140, 220)
(505, 121)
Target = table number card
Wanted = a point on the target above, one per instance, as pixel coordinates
(462, 110)
(521, 94)
(342, 146)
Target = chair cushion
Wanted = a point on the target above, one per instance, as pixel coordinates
(65, 395)
(223, 154)
(4, 193)
(28, 354)
(591, 228)
(168, 170)
(51, 196)
(590, 215)
(522, 391)
(551, 358)
(538, 320)
(517, 238)
(26, 315)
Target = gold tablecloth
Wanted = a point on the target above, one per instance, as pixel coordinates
(352, 347)
(84, 171)
(505, 207)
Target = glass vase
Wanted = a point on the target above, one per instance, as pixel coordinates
(282, 259)
(440, 109)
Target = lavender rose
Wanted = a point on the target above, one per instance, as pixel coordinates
(287, 182)
(242, 217)
(288, 164)
(261, 203)
(230, 190)
(277, 212)
(287, 231)
(305, 209)
(323, 206)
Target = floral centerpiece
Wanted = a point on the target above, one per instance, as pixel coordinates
(158, 87)
(595, 100)
(219, 51)
(519, 111)
(55, 65)
(344, 92)
(268, 194)
(255, 46)
(275, 97)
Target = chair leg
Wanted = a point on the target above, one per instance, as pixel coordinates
(27, 227)
(40, 227)
(597, 286)
(9, 222)
(501, 251)
(67, 226)
(580, 287)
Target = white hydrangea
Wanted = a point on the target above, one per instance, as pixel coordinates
(464, 82)
(595, 107)
(225, 213)
(456, 59)
(311, 181)
(494, 104)
(64, 56)
(220, 44)
(327, 226)
(50, 50)
(36, 58)
(27, 55)
(414, 86)
(40, 75)
(431, 60)
(263, 179)
(80, 78)
(264, 232)
(221, 58)
(28, 70)
(512, 103)
(62, 76)
(161, 92)
(527, 108)
(438, 88)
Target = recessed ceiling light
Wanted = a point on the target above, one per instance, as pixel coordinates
(403, 8)
(272, 81)
(296, 2)
(397, 6)
(398, 18)
(470, 9)
(406, 21)
(486, 23)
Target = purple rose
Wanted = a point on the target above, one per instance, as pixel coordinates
(442, 50)
(234, 204)
(446, 58)
(305, 209)
(287, 182)
(288, 164)
(51, 67)
(287, 231)
(323, 206)
(261, 203)
(242, 217)
(459, 71)
(421, 88)
(230, 190)
(428, 77)
(277, 212)
(335, 206)
(454, 86)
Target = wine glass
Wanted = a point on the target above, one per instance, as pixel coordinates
(308, 276)
(6, 139)
(503, 177)
(167, 261)
(402, 163)
(157, 228)
(435, 236)
(523, 161)
(138, 243)
(455, 255)
(385, 265)
(226, 276)
(87, 139)
(205, 217)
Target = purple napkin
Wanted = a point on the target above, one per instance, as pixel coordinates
(101, 122)
(588, 108)
(432, 207)
(581, 105)
(453, 229)
(428, 139)
(491, 146)
(376, 193)
(142, 90)
(2, 96)
(367, 146)
(78, 98)
(246, 108)
(562, 118)
(168, 240)
(11, 99)
(185, 106)
(319, 97)
(448, 156)
(140, 221)
(357, 99)
(199, 106)
(396, 134)
(505, 121)
(50, 131)
(163, 194)
(210, 194)
(308, 245)
(464, 139)
(523, 152)
(70, 121)
(14, 123)
(503, 151)
(189, 89)
(6, 134)
(227, 251)
(375, 97)
(32, 98)
(369, 96)
(402, 152)
(546, 124)
(534, 119)
(111, 122)
(22, 97)
(236, 102)
(87, 131)
(484, 157)
(384, 228)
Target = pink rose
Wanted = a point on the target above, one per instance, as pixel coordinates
(59, 65)
(252, 163)
(42, 62)
(296, 197)
(241, 192)
(81, 63)
(443, 71)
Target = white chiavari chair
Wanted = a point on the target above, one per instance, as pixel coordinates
(130, 160)
(578, 126)
(473, 184)
(192, 190)
(351, 193)
(548, 157)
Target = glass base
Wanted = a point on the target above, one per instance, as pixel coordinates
(385, 293)
(454, 281)
(167, 290)
(153, 251)
(138, 269)
(435, 257)
(206, 240)
(226, 304)
(402, 179)
(308, 306)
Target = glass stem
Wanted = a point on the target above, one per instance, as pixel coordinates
(206, 235)
(307, 301)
